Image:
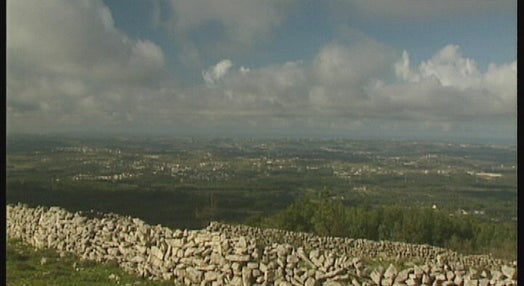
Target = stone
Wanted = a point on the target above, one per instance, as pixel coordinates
(387, 281)
(473, 273)
(440, 278)
(236, 281)
(234, 255)
(310, 281)
(238, 258)
(471, 282)
(458, 280)
(269, 275)
(357, 263)
(211, 276)
(509, 272)
(292, 259)
(43, 261)
(497, 275)
(483, 282)
(450, 275)
(403, 275)
(391, 272)
(247, 276)
(332, 283)
(194, 275)
(331, 274)
(314, 254)
(375, 277)
(411, 282)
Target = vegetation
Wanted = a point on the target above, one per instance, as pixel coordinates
(28, 266)
(377, 189)
(463, 234)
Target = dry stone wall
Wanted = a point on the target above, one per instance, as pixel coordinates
(239, 255)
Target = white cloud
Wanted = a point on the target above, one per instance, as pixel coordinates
(449, 87)
(69, 66)
(62, 58)
(347, 81)
(216, 72)
(77, 38)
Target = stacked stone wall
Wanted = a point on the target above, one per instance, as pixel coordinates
(224, 254)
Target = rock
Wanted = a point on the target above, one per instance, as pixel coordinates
(314, 254)
(375, 277)
(386, 281)
(269, 275)
(43, 261)
(411, 282)
(194, 275)
(474, 273)
(471, 282)
(497, 275)
(332, 283)
(458, 280)
(292, 259)
(450, 275)
(357, 263)
(236, 281)
(238, 258)
(483, 282)
(426, 279)
(509, 272)
(310, 281)
(246, 276)
(211, 276)
(391, 272)
(403, 275)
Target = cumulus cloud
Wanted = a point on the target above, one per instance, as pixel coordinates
(345, 84)
(216, 72)
(63, 54)
(69, 66)
(449, 87)
(77, 38)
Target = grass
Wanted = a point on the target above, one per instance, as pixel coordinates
(26, 265)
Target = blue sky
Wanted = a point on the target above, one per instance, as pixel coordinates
(342, 68)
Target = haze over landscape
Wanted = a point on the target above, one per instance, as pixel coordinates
(443, 70)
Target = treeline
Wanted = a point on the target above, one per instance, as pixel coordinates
(463, 234)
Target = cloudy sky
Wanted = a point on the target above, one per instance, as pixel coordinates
(340, 68)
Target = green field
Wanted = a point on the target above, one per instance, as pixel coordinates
(28, 266)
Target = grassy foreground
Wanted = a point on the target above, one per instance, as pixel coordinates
(28, 266)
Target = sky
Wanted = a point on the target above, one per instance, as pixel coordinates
(386, 69)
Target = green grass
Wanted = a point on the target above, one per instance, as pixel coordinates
(24, 267)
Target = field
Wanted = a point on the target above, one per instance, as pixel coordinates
(187, 182)
(454, 195)
(28, 266)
